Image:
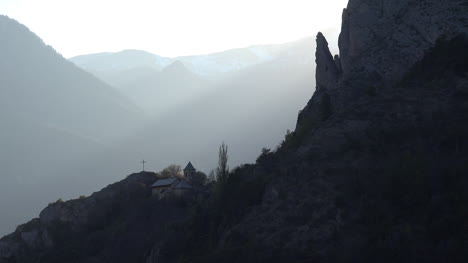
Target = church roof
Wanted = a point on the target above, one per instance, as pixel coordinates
(182, 185)
(189, 166)
(164, 182)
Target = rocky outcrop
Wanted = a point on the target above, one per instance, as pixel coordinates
(84, 212)
(375, 170)
(381, 40)
(382, 180)
(328, 70)
(379, 43)
(119, 223)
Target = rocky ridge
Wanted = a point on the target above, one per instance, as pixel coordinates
(119, 224)
(379, 43)
(375, 169)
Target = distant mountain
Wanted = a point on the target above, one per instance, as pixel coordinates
(125, 60)
(39, 84)
(159, 84)
(251, 107)
(210, 65)
(236, 59)
(68, 132)
(53, 116)
(156, 91)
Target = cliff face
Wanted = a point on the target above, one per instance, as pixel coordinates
(379, 43)
(375, 170)
(381, 40)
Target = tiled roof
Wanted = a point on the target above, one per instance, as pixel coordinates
(164, 182)
(182, 185)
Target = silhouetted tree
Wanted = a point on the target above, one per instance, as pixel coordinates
(212, 176)
(199, 179)
(222, 172)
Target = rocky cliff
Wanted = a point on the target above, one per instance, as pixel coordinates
(375, 171)
(379, 43)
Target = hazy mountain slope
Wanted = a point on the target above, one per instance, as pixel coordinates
(159, 85)
(157, 91)
(193, 115)
(38, 83)
(249, 110)
(34, 159)
(78, 116)
(53, 116)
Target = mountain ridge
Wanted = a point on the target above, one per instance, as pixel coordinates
(204, 65)
(52, 112)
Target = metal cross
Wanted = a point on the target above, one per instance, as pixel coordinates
(143, 162)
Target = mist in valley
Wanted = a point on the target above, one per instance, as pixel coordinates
(70, 127)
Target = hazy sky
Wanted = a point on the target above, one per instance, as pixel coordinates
(171, 27)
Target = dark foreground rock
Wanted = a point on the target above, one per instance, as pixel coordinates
(376, 168)
(120, 223)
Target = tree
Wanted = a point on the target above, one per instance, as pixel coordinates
(222, 171)
(172, 170)
(199, 179)
(266, 152)
(212, 176)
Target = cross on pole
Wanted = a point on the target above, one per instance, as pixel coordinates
(143, 162)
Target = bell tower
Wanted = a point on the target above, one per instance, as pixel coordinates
(189, 171)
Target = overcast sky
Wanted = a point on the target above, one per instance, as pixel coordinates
(171, 27)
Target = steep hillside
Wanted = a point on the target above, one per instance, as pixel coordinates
(53, 116)
(375, 170)
(124, 218)
(39, 84)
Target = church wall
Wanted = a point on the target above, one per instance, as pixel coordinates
(158, 190)
(181, 192)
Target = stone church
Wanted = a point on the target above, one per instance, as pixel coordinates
(175, 186)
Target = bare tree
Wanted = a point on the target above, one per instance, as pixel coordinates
(172, 170)
(222, 172)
